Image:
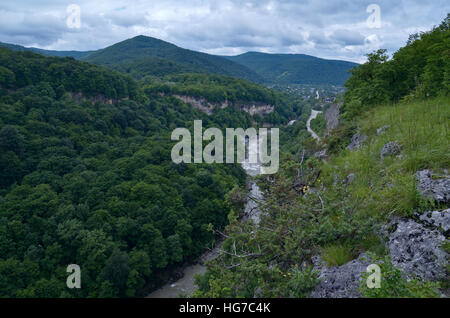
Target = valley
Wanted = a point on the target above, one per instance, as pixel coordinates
(88, 176)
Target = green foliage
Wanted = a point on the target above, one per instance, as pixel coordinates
(74, 54)
(316, 208)
(419, 69)
(144, 55)
(337, 255)
(91, 182)
(19, 69)
(218, 89)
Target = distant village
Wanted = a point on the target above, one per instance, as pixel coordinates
(318, 95)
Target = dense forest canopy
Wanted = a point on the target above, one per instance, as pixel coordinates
(90, 181)
(146, 56)
(20, 69)
(217, 89)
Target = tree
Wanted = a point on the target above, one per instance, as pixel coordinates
(116, 270)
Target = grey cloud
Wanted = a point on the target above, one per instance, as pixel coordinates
(348, 37)
(330, 29)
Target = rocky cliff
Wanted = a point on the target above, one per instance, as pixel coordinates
(200, 103)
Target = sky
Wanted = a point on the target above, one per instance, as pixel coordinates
(332, 29)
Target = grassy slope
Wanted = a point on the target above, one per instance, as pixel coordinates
(387, 186)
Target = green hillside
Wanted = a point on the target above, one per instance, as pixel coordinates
(90, 181)
(146, 56)
(74, 54)
(295, 68)
(133, 54)
(217, 89)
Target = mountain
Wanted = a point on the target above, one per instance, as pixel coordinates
(142, 56)
(295, 68)
(142, 52)
(74, 54)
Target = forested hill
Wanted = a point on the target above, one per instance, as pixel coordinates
(146, 56)
(74, 54)
(140, 54)
(21, 69)
(295, 68)
(90, 180)
(218, 89)
(93, 183)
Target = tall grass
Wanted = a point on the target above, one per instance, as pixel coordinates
(388, 186)
(337, 255)
(421, 127)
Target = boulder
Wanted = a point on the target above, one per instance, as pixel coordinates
(350, 178)
(341, 281)
(357, 141)
(392, 148)
(437, 189)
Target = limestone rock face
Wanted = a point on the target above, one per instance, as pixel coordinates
(208, 108)
(322, 154)
(332, 117)
(437, 219)
(436, 189)
(341, 281)
(417, 250)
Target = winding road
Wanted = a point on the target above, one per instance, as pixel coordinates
(314, 114)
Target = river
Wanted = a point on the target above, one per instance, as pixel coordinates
(186, 285)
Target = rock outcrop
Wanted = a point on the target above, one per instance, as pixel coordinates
(437, 189)
(341, 281)
(332, 117)
(436, 219)
(417, 250)
(357, 141)
(392, 148)
(200, 103)
(322, 154)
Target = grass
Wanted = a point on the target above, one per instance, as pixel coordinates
(421, 127)
(388, 186)
(337, 255)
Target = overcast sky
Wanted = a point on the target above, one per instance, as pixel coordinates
(336, 29)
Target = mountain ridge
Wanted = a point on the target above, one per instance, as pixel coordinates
(295, 68)
(142, 55)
